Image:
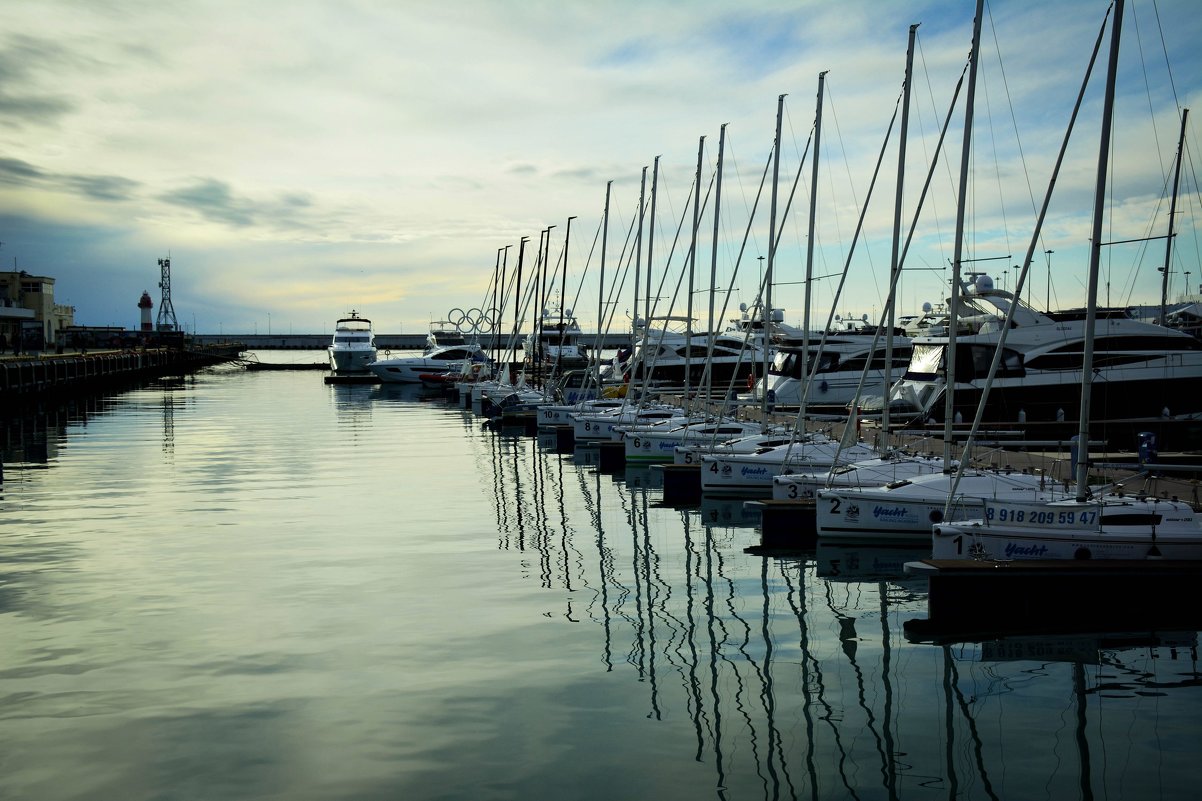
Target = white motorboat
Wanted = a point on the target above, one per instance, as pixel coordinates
(557, 343)
(669, 356)
(1141, 371)
(439, 360)
(841, 361)
(353, 346)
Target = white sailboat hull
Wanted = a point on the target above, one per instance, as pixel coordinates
(1109, 528)
(909, 509)
(752, 474)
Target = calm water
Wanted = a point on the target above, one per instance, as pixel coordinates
(255, 586)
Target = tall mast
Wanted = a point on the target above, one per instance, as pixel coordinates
(688, 323)
(497, 339)
(638, 255)
(540, 272)
(1168, 248)
(494, 325)
(766, 306)
(517, 293)
(650, 242)
(544, 292)
(949, 367)
(563, 294)
(601, 286)
(1095, 257)
(709, 380)
(805, 325)
(894, 265)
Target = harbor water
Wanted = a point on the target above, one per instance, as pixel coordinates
(255, 585)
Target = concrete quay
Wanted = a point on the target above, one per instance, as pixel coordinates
(30, 376)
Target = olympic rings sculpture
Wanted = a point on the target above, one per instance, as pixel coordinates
(473, 321)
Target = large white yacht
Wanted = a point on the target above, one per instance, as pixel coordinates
(668, 355)
(353, 346)
(841, 362)
(436, 360)
(1142, 372)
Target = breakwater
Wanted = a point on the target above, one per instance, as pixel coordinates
(387, 341)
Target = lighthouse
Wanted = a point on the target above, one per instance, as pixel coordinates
(146, 304)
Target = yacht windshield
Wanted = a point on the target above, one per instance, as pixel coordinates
(789, 363)
(925, 362)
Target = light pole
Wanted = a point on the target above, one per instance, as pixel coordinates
(268, 323)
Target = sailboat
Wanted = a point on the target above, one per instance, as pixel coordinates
(906, 506)
(1106, 525)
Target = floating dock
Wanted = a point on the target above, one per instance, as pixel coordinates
(786, 523)
(1046, 595)
(353, 378)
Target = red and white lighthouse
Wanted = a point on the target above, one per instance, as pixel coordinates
(146, 304)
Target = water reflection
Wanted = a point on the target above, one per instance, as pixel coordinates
(728, 512)
(642, 477)
(793, 673)
(867, 561)
(31, 434)
(313, 598)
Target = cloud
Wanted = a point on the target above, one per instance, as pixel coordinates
(111, 188)
(214, 200)
(20, 173)
(22, 59)
(417, 138)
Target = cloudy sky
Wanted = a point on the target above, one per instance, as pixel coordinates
(298, 159)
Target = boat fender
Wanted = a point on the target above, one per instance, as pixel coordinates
(1082, 554)
(936, 516)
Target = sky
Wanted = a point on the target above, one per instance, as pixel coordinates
(296, 160)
